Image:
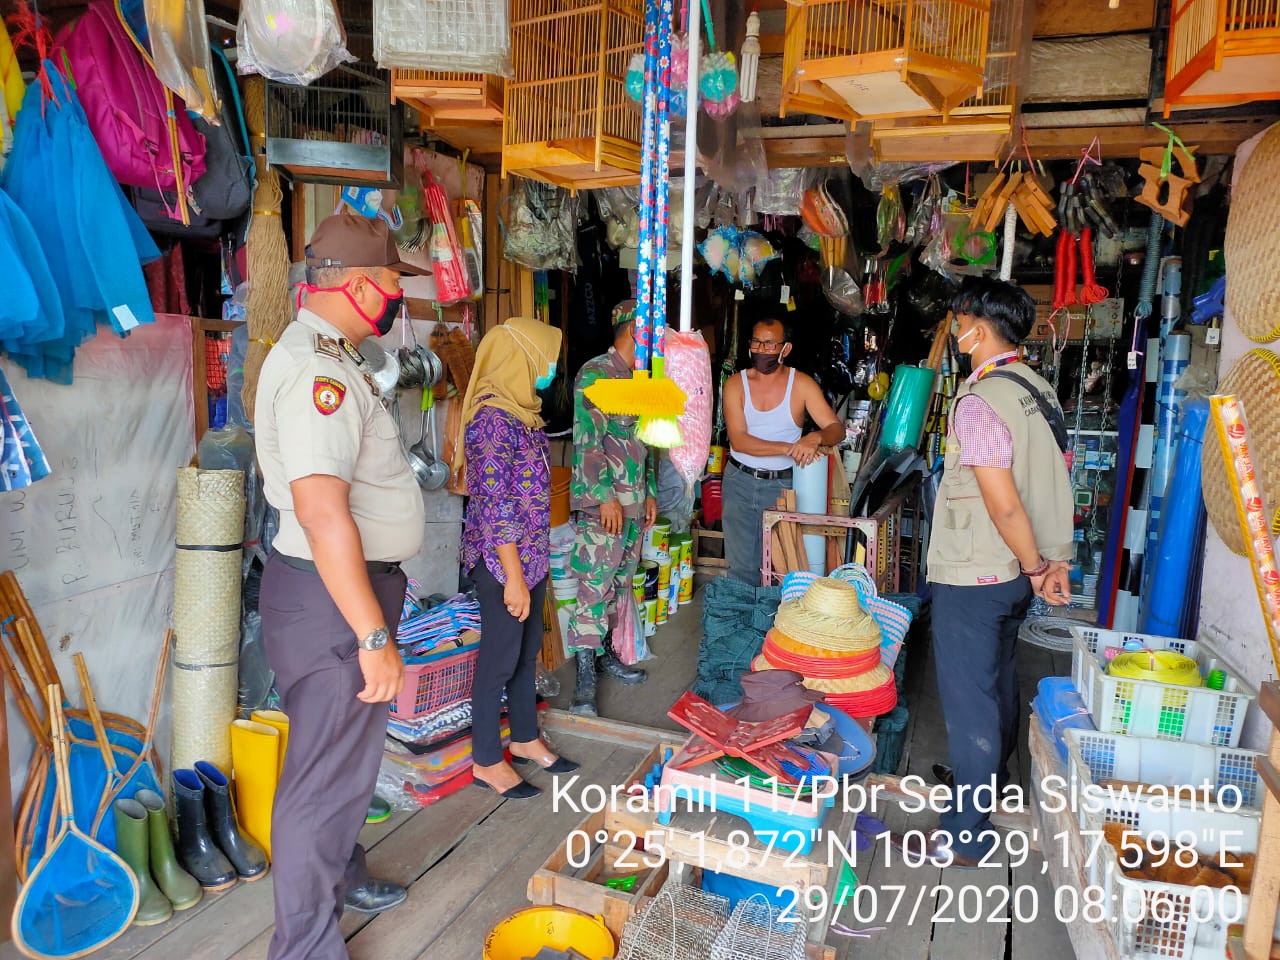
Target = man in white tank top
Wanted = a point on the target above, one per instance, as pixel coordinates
(764, 408)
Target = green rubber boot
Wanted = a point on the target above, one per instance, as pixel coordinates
(132, 844)
(379, 810)
(180, 887)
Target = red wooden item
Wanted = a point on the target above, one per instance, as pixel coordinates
(721, 735)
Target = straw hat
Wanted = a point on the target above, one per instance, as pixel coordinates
(858, 683)
(830, 617)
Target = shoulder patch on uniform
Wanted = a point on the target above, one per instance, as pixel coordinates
(373, 387)
(352, 352)
(327, 394)
(327, 346)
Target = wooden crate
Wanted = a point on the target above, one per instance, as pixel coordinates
(552, 656)
(567, 119)
(449, 99)
(708, 551)
(892, 58)
(557, 882)
(1222, 52)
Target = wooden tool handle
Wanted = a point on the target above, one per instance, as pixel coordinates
(25, 704)
(95, 716)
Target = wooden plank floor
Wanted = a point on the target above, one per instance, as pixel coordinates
(467, 859)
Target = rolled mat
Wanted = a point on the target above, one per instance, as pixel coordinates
(909, 400)
(206, 615)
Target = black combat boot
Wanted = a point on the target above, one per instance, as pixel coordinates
(584, 691)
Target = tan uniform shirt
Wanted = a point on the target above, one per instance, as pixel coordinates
(319, 413)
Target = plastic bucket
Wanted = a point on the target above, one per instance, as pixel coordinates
(565, 591)
(560, 477)
(650, 568)
(526, 932)
(650, 617)
(712, 509)
(664, 588)
(660, 535)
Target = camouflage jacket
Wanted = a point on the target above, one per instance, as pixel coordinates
(609, 460)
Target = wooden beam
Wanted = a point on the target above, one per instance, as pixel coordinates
(1091, 68)
(1125, 141)
(609, 731)
(8, 870)
(1070, 18)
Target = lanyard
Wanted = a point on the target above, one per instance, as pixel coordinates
(994, 365)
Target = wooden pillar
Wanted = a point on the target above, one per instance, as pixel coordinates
(495, 276)
(1265, 892)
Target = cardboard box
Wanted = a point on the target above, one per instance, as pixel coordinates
(1108, 317)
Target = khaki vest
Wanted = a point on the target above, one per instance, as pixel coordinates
(965, 548)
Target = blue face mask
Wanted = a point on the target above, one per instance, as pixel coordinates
(546, 379)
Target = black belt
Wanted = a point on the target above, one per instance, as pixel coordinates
(373, 566)
(762, 474)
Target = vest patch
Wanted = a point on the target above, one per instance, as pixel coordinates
(988, 580)
(327, 394)
(327, 346)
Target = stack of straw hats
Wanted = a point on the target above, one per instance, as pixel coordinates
(829, 639)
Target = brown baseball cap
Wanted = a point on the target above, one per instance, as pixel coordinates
(352, 242)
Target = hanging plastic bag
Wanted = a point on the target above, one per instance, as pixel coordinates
(179, 41)
(468, 35)
(628, 630)
(447, 260)
(782, 191)
(891, 222)
(293, 41)
(540, 229)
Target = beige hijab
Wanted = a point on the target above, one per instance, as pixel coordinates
(510, 358)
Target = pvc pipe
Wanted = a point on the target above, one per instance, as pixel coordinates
(690, 169)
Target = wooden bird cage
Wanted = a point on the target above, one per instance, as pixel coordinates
(1223, 52)
(868, 59)
(979, 128)
(449, 99)
(568, 120)
(343, 128)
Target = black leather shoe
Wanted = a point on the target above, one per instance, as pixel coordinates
(611, 666)
(560, 765)
(946, 776)
(374, 896)
(521, 791)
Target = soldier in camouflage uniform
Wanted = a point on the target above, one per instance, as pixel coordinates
(613, 491)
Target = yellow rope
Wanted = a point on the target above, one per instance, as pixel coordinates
(1162, 666)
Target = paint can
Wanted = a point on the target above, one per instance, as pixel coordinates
(650, 617)
(715, 461)
(660, 536)
(664, 586)
(637, 584)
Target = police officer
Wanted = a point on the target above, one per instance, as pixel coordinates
(350, 513)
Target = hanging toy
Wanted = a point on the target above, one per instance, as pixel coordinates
(635, 77)
(718, 85)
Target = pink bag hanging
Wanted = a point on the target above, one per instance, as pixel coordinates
(453, 285)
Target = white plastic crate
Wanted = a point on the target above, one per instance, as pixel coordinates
(1145, 708)
(1094, 756)
(1164, 921)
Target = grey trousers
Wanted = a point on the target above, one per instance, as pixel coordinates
(745, 500)
(331, 766)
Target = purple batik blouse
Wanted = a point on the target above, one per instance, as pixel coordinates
(509, 483)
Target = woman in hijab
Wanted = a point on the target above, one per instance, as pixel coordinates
(505, 461)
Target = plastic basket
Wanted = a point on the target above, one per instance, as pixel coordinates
(1145, 708)
(436, 682)
(1094, 756)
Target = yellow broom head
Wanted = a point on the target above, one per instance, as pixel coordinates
(660, 432)
(639, 396)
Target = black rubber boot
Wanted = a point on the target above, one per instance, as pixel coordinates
(611, 666)
(197, 852)
(247, 857)
(584, 691)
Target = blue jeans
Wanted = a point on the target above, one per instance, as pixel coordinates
(745, 499)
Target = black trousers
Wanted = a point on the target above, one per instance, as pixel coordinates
(331, 766)
(975, 636)
(508, 661)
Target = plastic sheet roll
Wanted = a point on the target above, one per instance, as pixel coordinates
(810, 485)
(815, 548)
(1172, 557)
(206, 615)
(1174, 357)
(909, 400)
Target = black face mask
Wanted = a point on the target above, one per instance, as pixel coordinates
(389, 314)
(766, 363)
(964, 362)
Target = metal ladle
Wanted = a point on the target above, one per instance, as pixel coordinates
(426, 465)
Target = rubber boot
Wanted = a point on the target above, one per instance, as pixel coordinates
(255, 763)
(197, 852)
(584, 691)
(611, 666)
(274, 718)
(179, 886)
(132, 845)
(247, 857)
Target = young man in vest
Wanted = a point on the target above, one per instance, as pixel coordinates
(1002, 532)
(764, 408)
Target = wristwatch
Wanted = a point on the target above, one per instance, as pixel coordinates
(376, 640)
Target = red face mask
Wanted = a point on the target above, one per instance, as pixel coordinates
(391, 304)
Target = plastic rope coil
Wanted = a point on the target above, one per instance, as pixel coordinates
(1161, 666)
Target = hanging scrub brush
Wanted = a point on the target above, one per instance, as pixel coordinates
(648, 394)
(268, 309)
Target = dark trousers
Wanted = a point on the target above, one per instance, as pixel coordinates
(508, 661)
(975, 636)
(331, 766)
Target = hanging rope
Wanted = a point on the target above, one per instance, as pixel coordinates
(268, 308)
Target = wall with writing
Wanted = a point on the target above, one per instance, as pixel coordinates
(92, 544)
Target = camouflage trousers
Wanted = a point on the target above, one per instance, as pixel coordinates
(603, 565)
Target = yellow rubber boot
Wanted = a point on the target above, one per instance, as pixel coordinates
(255, 763)
(274, 718)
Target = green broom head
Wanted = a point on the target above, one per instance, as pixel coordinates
(638, 396)
(660, 432)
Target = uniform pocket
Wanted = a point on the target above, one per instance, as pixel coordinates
(383, 426)
(955, 545)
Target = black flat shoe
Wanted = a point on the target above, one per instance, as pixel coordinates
(521, 791)
(561, 765)
(374, 896)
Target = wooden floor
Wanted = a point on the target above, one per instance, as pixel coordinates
(467, 859)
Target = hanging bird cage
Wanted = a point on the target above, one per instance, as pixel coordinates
(343, 128)
(867, 59)
(1223, 52)
(978, 129)
(568, 120)
(449, 99)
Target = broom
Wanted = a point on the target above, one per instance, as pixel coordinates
(648, 394)
(268, 308)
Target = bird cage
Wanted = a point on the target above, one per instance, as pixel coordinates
(568, 120)
(444, 99)
(979, 128)
(343, 128)
(867, 59)
(1223, 52)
